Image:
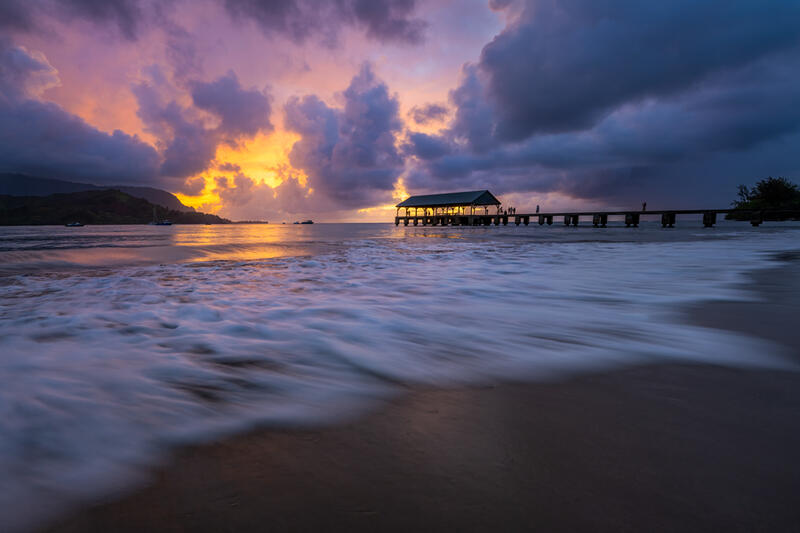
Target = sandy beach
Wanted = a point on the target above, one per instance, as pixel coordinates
(669, 447)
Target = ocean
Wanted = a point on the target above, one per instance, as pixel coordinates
(121, 343)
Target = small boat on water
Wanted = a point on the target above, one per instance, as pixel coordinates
(157, 222)
(74, 225)
(305, 222)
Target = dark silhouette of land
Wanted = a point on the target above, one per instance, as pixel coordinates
(24, 185)
(778, 198)
(92, 207)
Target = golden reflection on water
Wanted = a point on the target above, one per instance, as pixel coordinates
(53, 248)
(140, 244)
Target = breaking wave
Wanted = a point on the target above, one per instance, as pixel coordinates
(105, 368)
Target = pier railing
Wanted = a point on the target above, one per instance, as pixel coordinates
(598, 218)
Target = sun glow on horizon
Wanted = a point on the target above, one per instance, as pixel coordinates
(264, 159)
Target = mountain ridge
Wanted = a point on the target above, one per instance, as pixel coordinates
(105, 206)
(15, 184)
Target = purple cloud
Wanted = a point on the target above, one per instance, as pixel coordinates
(188, 146)
(428, 113)
(241, 111)
(583, 58)
(676, 110)
(382, 20)
(41, 138)
(349, 154)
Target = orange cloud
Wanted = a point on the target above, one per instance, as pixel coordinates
(264, 159)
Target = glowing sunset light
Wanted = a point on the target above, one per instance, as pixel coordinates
(325, 108)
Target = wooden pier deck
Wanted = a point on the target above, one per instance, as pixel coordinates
(597, 218)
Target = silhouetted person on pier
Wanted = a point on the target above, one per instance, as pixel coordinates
(537, 208)
(644, 206)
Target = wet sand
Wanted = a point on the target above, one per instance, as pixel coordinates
(656, 448)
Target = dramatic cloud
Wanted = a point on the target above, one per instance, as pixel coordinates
(349, 154)
(187, 144)
(616, 97)
(241, 111)
(125, 15)
(383, 20)
(299, 20)
(246, 198)
(605, 101)
(474, 122)
(238, 191)
(426, 146)
(40, 138)
(564, 64)
(428, 113)
(15, 14)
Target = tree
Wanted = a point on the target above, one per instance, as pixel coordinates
(743, 194)
(770, 193)
(778, 194)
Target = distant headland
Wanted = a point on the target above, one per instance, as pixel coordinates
(32, 200)
(108, 206)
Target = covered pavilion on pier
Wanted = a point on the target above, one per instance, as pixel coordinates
(453, 203)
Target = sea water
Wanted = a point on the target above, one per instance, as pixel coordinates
(118, 343)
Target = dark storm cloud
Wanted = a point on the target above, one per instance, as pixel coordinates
(388, 20)
(616, 98)
(426, 146)
(474, 121)
(40, 138)
(238, 191)
(125, 15)
(564, 64)
(181, 52)
(229, 167)
(187, 146)
(348, 154)
(241, 111)
(734, 112)
(15, 14)
(428, 113)
(383, 20)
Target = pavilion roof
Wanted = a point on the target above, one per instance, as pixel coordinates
(483, 197)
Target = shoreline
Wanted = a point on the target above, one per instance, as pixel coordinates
(659, 447)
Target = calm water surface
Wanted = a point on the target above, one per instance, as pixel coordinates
(119, 342)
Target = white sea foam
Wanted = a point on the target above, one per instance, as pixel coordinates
(102, 370)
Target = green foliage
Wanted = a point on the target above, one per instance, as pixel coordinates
(777, 194)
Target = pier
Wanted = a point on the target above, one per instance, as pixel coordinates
(473, 208)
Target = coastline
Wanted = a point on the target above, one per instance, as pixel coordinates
(662, 447)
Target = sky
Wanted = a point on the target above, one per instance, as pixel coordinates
(279, 110)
